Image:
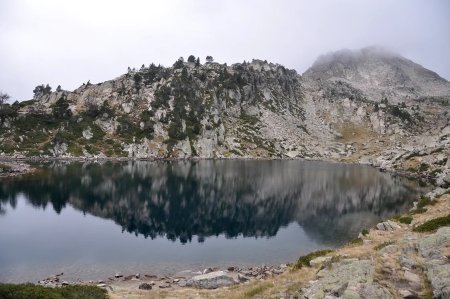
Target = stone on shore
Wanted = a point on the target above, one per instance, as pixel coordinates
(212, 280)
(388, 226)
(320, 260)
(145, 286)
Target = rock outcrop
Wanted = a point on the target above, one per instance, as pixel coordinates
(350, 278)
(435, 250)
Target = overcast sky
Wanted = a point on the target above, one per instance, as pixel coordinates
(70, 42)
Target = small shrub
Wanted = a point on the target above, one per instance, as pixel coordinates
(433, 224)
(357, 241)
(304, 260)
(425, 201)
(405, 219)
(400, 113)
(250, 119)
(423, 167)
(365, 232)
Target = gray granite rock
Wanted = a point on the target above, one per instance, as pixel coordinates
(212, 280)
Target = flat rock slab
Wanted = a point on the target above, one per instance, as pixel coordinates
(212, 280)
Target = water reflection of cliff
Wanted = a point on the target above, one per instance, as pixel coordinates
(180, 200)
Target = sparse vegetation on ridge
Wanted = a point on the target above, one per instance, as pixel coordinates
(433, 224)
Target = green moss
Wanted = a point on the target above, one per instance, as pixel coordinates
(433, 224)
(303, 261)
(27, 291)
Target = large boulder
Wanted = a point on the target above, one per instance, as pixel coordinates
(437, 263)
(212, 280)
(388, 226)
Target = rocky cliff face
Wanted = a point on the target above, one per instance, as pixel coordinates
(369, 105)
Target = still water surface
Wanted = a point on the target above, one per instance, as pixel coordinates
(91, 220)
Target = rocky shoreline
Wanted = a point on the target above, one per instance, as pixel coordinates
(209, 278)
(10, 168)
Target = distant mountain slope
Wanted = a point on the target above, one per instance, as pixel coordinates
(366, 105)
(379, 74)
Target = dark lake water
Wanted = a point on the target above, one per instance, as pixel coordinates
(91, 220)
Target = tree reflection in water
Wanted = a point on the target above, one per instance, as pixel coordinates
(183, 199)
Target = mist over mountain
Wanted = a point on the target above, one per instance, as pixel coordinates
(379, 74)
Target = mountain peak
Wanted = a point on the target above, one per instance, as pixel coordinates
(379, 73)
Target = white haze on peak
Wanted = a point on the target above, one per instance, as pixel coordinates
(70, 42)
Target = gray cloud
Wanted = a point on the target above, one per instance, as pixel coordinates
(70, 42)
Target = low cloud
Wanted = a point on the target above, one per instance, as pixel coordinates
(70, 42)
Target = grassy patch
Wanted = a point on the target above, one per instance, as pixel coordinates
(26, 291)
(433, 224)
(257, 290)
(425, 201)
(404, 219)
(382, 245)
(305, 259)
(357, 241)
